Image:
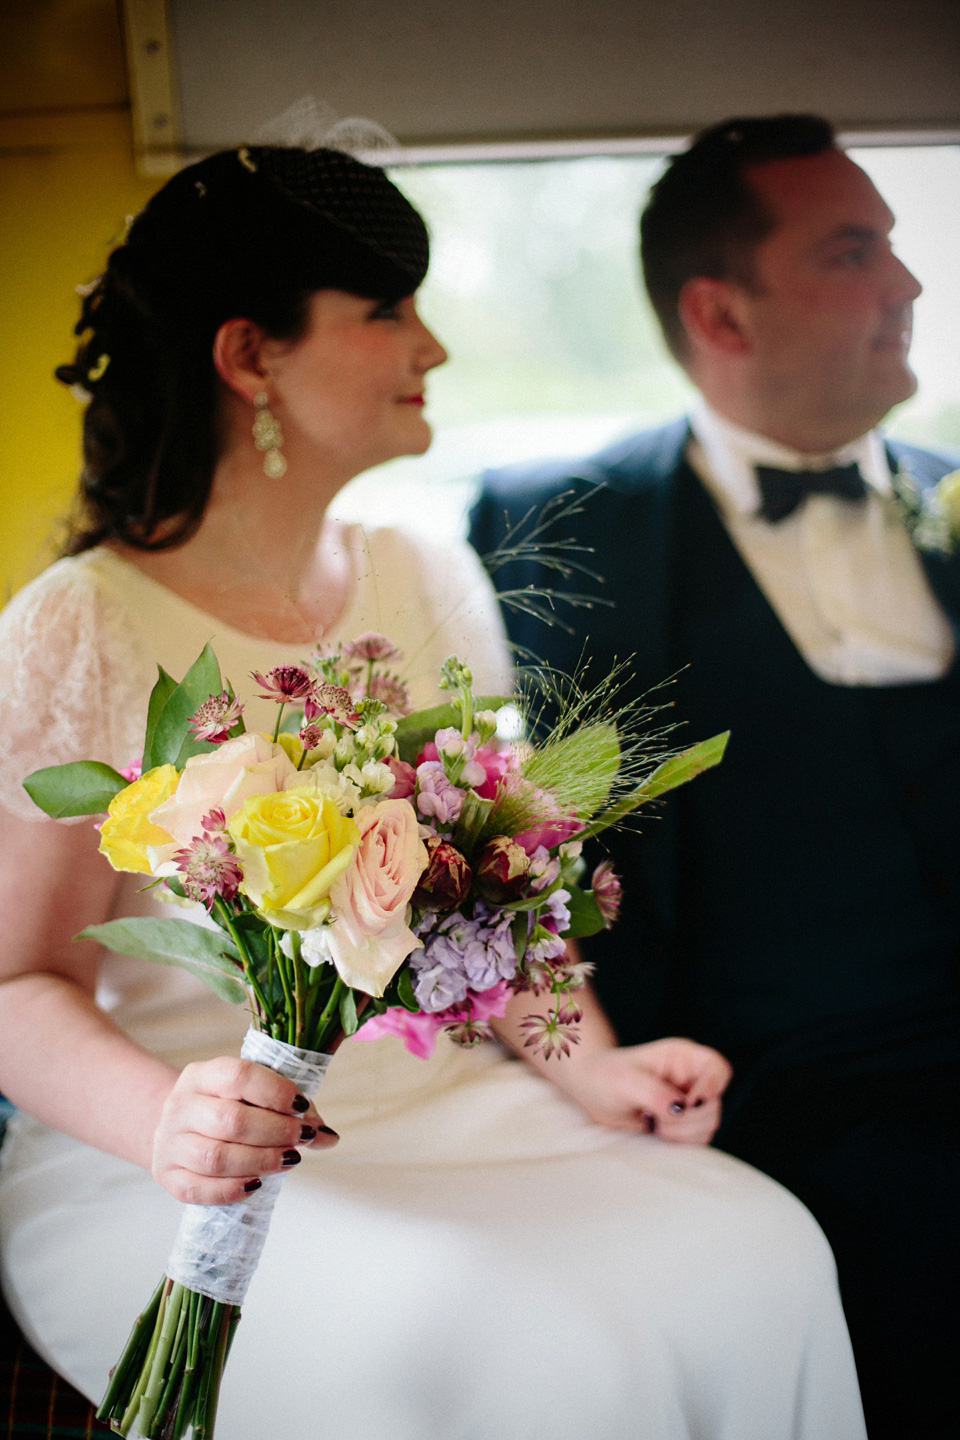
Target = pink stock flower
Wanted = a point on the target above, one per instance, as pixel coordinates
(496, 763)
(332, 700)
(215, 718)
(437, 798)
(208, 869)
(549, 833)
(404, 778)
(133, 771)
(284, 683)
(419, 1032)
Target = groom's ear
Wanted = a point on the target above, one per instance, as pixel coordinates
(237, 357)
(712, 314)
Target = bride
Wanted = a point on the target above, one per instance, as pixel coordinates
(483, 1253)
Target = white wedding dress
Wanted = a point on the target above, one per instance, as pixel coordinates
(475, 1260)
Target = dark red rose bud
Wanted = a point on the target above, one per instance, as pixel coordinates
(446, 880)
(501, 871)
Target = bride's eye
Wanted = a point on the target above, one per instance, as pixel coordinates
(385, 310)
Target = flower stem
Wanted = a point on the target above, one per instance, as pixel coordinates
(276, 728)
(133, 1353)
(155, 1382)
(331, 1008)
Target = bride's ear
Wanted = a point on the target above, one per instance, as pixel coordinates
(237, 357)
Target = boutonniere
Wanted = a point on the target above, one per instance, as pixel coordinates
(932, 516)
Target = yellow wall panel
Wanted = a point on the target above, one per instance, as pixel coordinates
(67, 182)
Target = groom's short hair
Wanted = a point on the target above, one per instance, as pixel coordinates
(703, 217)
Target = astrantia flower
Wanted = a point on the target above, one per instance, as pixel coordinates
(208, 870)
(390, 691)
(549, 1034)
(215, 718)
(371, 646)
(607, 892)
(284, 683)
(312, 735)
(332, 700)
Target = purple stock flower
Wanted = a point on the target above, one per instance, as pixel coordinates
(437, 798)
(462, 954)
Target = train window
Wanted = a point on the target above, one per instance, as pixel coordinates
(534, 289)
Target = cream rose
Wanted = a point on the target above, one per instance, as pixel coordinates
(292, 846)
(369, 938)
(223, 779)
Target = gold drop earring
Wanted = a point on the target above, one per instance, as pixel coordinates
(268, 437)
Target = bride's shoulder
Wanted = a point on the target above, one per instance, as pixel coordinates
(69, 590)
(434, 564)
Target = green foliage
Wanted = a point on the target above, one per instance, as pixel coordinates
(84, 787)
(675, 771)
(208, 954)
(413, 731)
(170, 740)
(348, 1013)
(585, 916)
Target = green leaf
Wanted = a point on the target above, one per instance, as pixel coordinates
(159, 696)
(678, 770)
(172, 742)
(519, 928)
(405, 993)
(413, 731)
(585, 915)
(208, 954)
(84, 787)
(348, 1013)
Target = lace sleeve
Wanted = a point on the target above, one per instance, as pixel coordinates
(72, 686)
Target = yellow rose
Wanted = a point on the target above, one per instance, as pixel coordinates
(292, 846)
(128, 830)
(948, 491)
(292, 746)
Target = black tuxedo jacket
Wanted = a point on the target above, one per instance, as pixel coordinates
(628, 520)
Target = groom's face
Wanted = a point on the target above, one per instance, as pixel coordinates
(830, 314)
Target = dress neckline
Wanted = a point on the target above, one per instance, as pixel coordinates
(124, 567)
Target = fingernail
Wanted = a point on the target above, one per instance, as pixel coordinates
(307, 1132)
(676, 1107)
(252, 1185)
(300, 1104)
(325, 1130)
(649, 1124)
(291, 1157)
(696, 1103)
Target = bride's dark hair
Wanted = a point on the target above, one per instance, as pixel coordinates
(243, 234)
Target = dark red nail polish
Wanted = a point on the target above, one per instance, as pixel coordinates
(649, 1124)
(696, 1103)
(252, 1185)
(291, 1157)
(325, 1130)
(307, 1132)
(300, 1104)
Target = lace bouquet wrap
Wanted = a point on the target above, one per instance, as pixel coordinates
(362, 869)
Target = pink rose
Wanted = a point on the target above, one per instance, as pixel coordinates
(369, 937)
(221, 780)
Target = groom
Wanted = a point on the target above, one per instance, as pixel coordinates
(798, 907)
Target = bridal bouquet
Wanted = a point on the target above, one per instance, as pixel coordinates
(361, 869)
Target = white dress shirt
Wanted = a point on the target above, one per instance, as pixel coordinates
(843, 578)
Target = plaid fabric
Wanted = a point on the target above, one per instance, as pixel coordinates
(34, 1401)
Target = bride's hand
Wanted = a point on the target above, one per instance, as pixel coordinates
(672, 1087)
(225, 1123)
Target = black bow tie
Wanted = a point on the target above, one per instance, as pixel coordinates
(782, 491)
